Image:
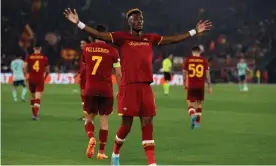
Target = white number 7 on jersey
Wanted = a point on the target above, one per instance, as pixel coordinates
(98, 60)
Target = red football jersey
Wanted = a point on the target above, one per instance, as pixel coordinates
(196, 67)
(36, 67)
(136, 56)
(99, 58)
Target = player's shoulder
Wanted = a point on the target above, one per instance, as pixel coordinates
(89, 45)
(186, 59)
(112, 48)
(113, 51)
(148, 36)
(196, 58)
(121, 33)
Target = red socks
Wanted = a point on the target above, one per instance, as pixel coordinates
(191, 110)
(120, 138)
(89, 129)
(35, 106)
(103, 134)
(198, 114)
(148, 142)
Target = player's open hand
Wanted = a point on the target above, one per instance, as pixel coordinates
(210, 90)
(203, 26)
(71, 16)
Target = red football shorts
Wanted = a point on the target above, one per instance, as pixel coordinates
(136, 100)
(36, 87)
(98, 105)
(194, 94)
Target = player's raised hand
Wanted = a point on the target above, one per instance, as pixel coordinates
(71, 15)
(203, 26)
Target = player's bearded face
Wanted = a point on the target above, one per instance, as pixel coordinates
(136, 21)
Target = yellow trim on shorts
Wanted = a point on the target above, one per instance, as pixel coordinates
(120, 114)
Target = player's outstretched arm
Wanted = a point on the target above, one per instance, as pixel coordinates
(73, 17)
(185, 74)
(200, 27)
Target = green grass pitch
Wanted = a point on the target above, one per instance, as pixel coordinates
(236, 128)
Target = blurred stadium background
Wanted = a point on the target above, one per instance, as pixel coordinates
(242, 28)
(237, 128)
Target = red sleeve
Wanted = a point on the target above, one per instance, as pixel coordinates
(117, 37)
(156, 39)
(115, 55)
(46, 60)
(185, 66)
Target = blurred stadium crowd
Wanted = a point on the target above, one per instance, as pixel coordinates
(242, 28)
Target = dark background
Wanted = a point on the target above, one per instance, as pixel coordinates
(241, 28)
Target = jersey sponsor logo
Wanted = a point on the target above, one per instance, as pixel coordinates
(97, 49)
(134, 43)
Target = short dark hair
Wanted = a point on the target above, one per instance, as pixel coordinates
(18, 55)
(196, 49)
(132, 11)
(37, 45)
(101, 28)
